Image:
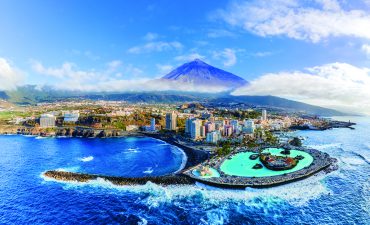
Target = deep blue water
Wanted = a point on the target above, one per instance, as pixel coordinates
(341, 197)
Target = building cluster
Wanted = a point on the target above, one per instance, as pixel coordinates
(205, 127)
(214, 130)
(48, 120)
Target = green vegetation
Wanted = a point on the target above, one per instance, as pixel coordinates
(296, 142)
(8, 115)
(270, 138)
(225, 149)
(240, 115)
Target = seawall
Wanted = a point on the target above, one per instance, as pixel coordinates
(81, 177)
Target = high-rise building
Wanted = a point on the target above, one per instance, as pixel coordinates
(228, 130)
(47, 120)
(210, 127)
(213, 137)
(195, 129)
(152, 124)
(236, 126)
(202, 131)
(171, 121)
(264, 114)
(188, 125)
(249, 126)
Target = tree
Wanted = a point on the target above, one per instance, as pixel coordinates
(296, 142)
(225, 149)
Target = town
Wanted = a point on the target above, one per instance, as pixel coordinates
(191, 123)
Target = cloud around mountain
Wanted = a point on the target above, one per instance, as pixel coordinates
(338, 85)
(10, 76)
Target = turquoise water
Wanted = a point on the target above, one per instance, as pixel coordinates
(241, 165)
(215, 173)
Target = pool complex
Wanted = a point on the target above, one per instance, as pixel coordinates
(241, 165)
(215, 173)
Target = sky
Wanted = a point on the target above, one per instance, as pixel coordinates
(315, 51)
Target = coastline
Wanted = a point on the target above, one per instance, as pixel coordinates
(193, 158)
(85, 132)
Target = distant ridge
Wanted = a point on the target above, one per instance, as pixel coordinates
(200, 73)
(26, 95)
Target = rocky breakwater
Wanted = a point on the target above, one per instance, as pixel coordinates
(177, 179)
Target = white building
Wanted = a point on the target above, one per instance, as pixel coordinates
(47, 120)
(152, 124)
(249, 126)
(171, 121)
(236, 126)
(213, 137)
(195, 129)
(71, 116)
(264, 115)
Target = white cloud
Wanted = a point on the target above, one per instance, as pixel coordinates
(69, 77)
(366, 49)
(338, 85)
(314, 21)
(114, 65)
(217, 33)
(157, 46)
(67, 70)
(10, 77)
(261, 54)
(228, 56)
(189, 57)
(164, 69)
(143, 84)
(151, 36)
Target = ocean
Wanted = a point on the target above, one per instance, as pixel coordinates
(26, 197)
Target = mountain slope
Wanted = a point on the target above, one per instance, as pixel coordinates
(200, 73)
(279, 103)
(31, 95)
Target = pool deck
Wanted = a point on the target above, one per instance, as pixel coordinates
(321, 161)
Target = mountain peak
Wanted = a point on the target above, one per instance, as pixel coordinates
(200, 73)
(198, 61)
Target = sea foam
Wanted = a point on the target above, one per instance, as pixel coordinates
(297, 193)
(86, 159)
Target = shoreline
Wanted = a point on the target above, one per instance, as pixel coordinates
(195, 158)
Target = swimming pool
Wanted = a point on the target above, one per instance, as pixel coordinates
(241, 165)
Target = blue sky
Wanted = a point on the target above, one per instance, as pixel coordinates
(50, 42)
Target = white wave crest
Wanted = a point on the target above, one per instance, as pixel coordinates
(297, 193)
(325, 146)
(149, 170)
(86, 159)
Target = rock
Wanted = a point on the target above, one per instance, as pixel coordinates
(253, 156)
(257, 166)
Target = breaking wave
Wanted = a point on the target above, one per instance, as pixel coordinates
(297, 193)
(86, 159)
